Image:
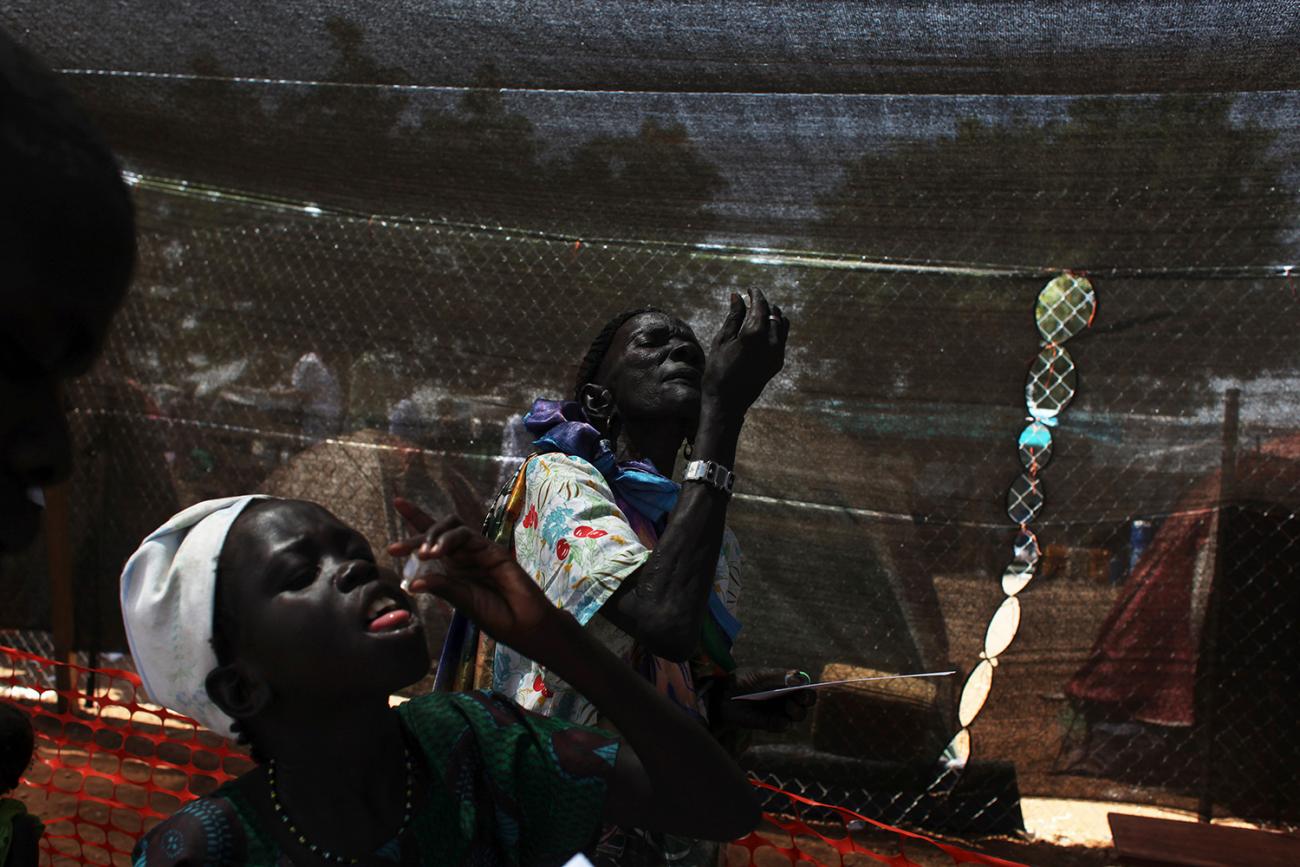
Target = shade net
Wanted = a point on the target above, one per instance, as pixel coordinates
(369, 241)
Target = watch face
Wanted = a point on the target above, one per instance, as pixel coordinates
(710, 473)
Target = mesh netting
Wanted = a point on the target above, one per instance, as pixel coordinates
(368, 242)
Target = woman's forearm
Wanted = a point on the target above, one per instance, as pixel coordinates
(717, 435)
(663, 603)
(695, 787)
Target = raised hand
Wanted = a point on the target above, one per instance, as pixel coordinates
(775, 714)
(670, 775)
(748, 350)
(482, 579)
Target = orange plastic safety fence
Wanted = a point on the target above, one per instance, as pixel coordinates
(108, 764)
(804, 843)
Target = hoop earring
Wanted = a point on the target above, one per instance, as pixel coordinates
(613, 425)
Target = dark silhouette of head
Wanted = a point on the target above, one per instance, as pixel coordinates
(67, 248)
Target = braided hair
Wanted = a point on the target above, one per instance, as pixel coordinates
(17, 741)
(590, 365)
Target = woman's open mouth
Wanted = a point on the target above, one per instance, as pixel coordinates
(386, 614)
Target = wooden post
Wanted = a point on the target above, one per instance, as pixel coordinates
(1210, 634)
(58, 554)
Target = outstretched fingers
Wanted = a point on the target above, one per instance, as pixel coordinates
(457, 591)
(730, 328)
(460, 546)
(778, 335)
(423, 545)
(757, 322)
(459, 543)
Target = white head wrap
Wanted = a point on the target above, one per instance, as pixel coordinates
(168, 594)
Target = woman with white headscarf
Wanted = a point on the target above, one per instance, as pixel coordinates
(270, 620)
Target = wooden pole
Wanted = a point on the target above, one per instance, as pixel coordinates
(58, 554)
(1210, 634)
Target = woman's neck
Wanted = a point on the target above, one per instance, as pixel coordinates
(360, 746)
(343, 778)
(654, 440)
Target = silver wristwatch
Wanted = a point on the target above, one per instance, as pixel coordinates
(710, 473)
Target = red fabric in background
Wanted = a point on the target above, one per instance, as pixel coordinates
(1143, 665)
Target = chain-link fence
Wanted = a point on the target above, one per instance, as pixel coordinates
(328, 306)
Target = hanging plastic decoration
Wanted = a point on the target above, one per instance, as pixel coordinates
(1066, 306)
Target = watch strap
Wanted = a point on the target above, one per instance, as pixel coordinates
(713, 474)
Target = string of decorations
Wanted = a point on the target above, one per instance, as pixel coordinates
(1065, 307)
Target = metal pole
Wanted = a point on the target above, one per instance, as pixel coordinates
(58, 554)
(1210, 635)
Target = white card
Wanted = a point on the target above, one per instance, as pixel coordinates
(770, 693)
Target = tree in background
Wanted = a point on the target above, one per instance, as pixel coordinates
(655, 182)
(1138, 182)
(348, 141)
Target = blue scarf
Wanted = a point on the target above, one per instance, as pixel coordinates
(561, 426)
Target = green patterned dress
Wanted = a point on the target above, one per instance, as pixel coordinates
(507, 788)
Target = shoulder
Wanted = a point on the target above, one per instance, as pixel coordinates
(551, 747)
(24, 833)
(496, 722)
(451, 713)
(208, 831)
(556, 466)
(561, 487)
(440, 723)
(434, 706)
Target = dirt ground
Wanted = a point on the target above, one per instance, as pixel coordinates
(1034, 853)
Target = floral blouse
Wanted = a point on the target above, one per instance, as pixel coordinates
(579, 544)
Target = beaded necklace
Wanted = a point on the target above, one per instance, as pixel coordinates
(321, 850)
